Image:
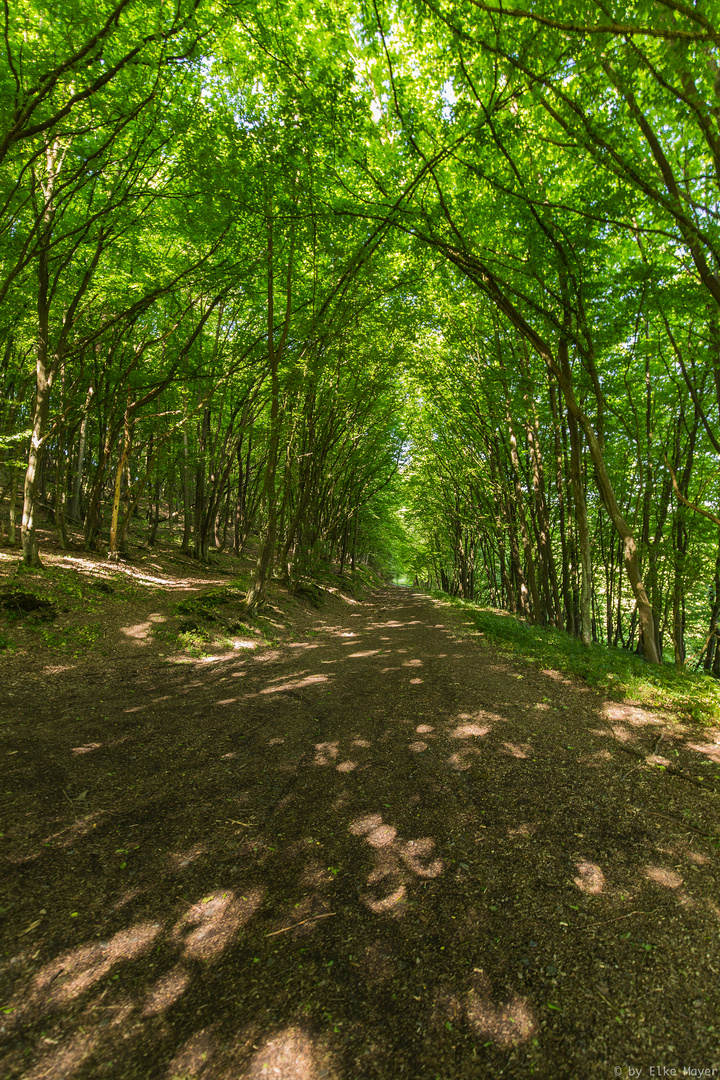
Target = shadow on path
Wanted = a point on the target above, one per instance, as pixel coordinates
(384, 851)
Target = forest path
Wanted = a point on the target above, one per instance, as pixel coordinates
(387, 850)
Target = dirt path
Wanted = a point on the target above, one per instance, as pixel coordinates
(384, 851)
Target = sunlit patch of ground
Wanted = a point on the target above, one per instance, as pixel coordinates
(393, 859)
(73, 973)
(590, 878)
(467, 731)
(662, 876)
(168, 989)
(507, 1025)
(293, 878)
(295, 684)
(290, 1055)
(209, 925)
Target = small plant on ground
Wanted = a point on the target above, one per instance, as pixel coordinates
(194, 642)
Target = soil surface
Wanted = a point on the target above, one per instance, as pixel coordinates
(382, 850)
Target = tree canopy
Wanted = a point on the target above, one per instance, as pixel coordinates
(430, 285)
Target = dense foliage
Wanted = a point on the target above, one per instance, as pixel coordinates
(434, 285)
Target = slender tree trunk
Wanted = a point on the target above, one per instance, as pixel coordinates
(45, 365)
(618, 635)
(122, 462)
(15, 477)
(490, 286)
(60, 491)
(521, 594)
(630, 551)
(95, 496)
(239, 500)
(583, 532)
(343, 548)
(74, 511)
(680, 537)
(711, 649)
(155, 509)
(200, 541)
(41, 409)
(609, 564)
(506, 583)
(133, 495)
(256, 592)
(542, 517)
(354, 545)
(534, 608)
(187, 506)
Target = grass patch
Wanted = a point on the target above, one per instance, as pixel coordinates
(310, 592)
(205, 606)
(209, 620)
(194, 642)
(74, 639)
(616, 672)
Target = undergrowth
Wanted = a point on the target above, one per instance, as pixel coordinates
(617, 672)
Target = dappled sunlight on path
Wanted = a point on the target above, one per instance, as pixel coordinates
(386, 851)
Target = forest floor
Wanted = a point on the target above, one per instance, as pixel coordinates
(375, 848)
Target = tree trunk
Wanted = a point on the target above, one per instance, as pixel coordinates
(95, 495)
(534, 608)
(564, 513)
(44, 372)
(60, 492)
(487, 282)
(353, 549)
(74, 511)
(187, 506)
(155, 509)
(583, 532)
(122, 462)
(200, 526)
(711, 649)
(630, 552)
(256, 592)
